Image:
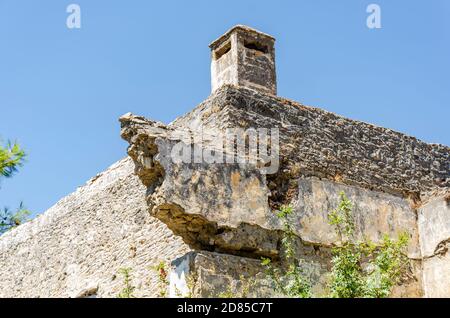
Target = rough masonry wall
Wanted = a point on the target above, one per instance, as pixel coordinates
(244, 57)
(228, 208)
(218, 275)
(318, 143)
(78, 246)
(224, 208)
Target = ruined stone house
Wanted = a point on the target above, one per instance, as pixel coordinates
(212, 222)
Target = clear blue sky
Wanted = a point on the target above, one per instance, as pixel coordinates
(62, 91)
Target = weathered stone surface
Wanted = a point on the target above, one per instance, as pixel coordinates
(215, 207)
(411, 285)
(436, 276)
(78, 246)
(434, 227)
(225, 208)
(210, 275)
(375, 213)
(318, 143)
(204, 274)
(232, 196)
(244, 57)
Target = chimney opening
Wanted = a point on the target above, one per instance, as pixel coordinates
(257, 47)
(222, 51)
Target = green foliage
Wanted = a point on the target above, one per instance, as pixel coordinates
(359, 268)
(128, 289)
(342, 217)
(390, 264)
(11, 219)
(162, 277)
(290, 280)
(266, 261)
(11, 157)
(346, 274)
(364, 269)
(162, 272)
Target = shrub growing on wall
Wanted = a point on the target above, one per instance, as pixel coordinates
(360, 268)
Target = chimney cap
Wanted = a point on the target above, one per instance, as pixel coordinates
(244, 29)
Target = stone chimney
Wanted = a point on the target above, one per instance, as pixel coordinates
(244, 57)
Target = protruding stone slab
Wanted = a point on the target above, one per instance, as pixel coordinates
(318, 143)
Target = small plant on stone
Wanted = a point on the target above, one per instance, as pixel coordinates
(389, 266)
(362, 268)
(190, 284)
(289, 281)
(359, 268)
(161, 270)
(128, 289)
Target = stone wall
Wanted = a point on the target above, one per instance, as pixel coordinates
(78, 246)
(228, 208)
(214, 222)
(218, 275)
(315, 142)
(434, 227)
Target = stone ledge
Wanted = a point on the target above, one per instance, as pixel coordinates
(332, 146)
